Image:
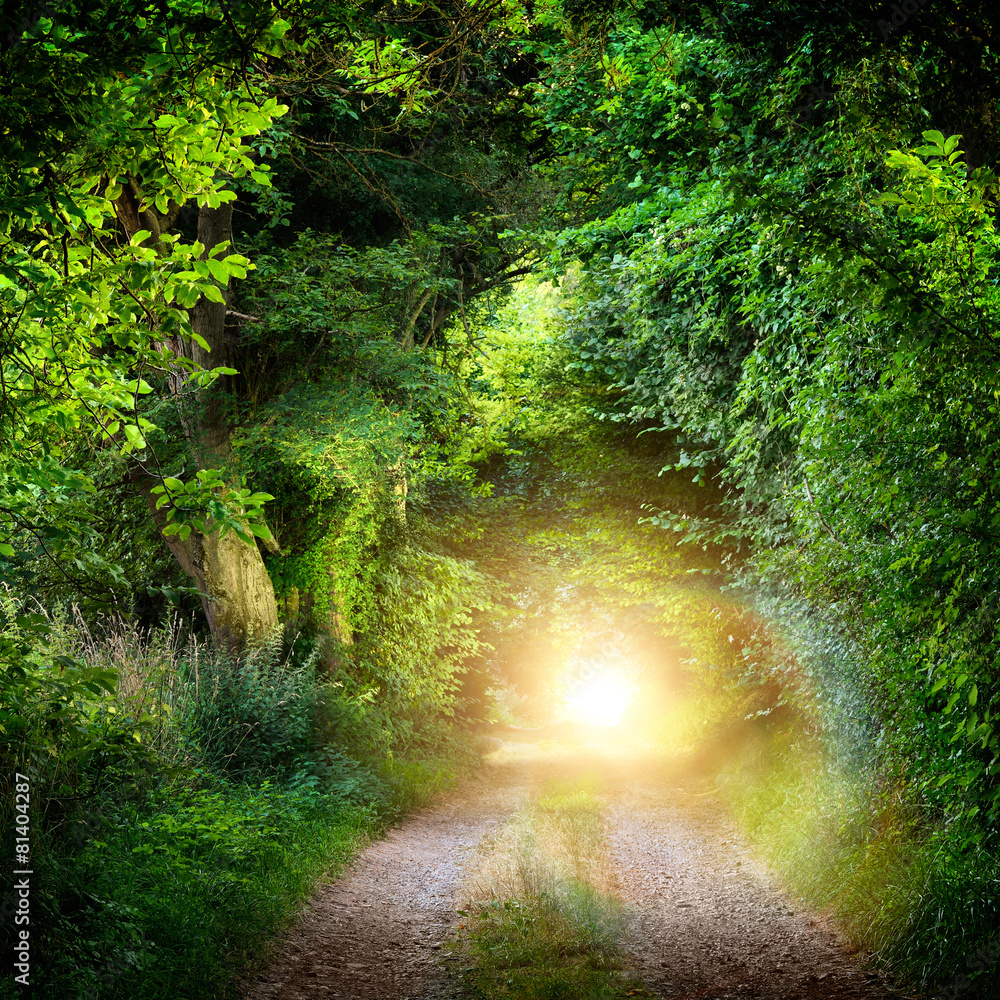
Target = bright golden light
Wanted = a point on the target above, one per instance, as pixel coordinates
(600, 699)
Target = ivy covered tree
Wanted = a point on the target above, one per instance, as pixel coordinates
(132, 131)
(797, 286)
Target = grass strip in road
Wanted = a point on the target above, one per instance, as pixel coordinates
(542, 919)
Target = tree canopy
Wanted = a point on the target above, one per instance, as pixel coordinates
(421, 335)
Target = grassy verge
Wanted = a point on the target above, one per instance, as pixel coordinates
(185, 894)
(179, 895)
(184, 804)
(909, 889)
(542, 919)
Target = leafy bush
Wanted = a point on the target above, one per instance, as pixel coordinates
(140, 911)
(916, 894)
(182, 797)
(253, 713)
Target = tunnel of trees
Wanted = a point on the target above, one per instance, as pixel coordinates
(368, 371)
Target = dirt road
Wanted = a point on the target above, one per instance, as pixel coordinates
(708, 921)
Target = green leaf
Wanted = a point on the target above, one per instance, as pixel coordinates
(134, 436)
(218, 269)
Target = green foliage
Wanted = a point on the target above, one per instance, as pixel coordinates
(774, 283)
(251, 715)
(181, 798)
(916, 895)
(853, 457)
(574, 578)
(790, 271)
(61, 725)
(141, 910)
(425, 601)
(90, 311)
(203, 504)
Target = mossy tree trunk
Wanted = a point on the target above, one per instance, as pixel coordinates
(236, 591)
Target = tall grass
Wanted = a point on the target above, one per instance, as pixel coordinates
(542, 916)
(914, 893)
(182, 813)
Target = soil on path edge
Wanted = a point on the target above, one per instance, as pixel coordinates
(378, 932)
(707, 920)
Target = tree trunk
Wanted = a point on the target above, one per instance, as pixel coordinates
(236, 591)
(336, 632)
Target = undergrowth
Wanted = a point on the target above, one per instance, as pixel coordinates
(184, 802)
(542, 919)
(917, 894)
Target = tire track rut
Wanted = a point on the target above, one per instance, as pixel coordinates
(708, 920)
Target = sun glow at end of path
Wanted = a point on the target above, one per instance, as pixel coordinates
(600, 699)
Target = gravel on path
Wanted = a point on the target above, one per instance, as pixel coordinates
(707, 920)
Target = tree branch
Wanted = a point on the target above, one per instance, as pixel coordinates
(822, 520)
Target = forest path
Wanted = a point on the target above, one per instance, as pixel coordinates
(707, 920)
